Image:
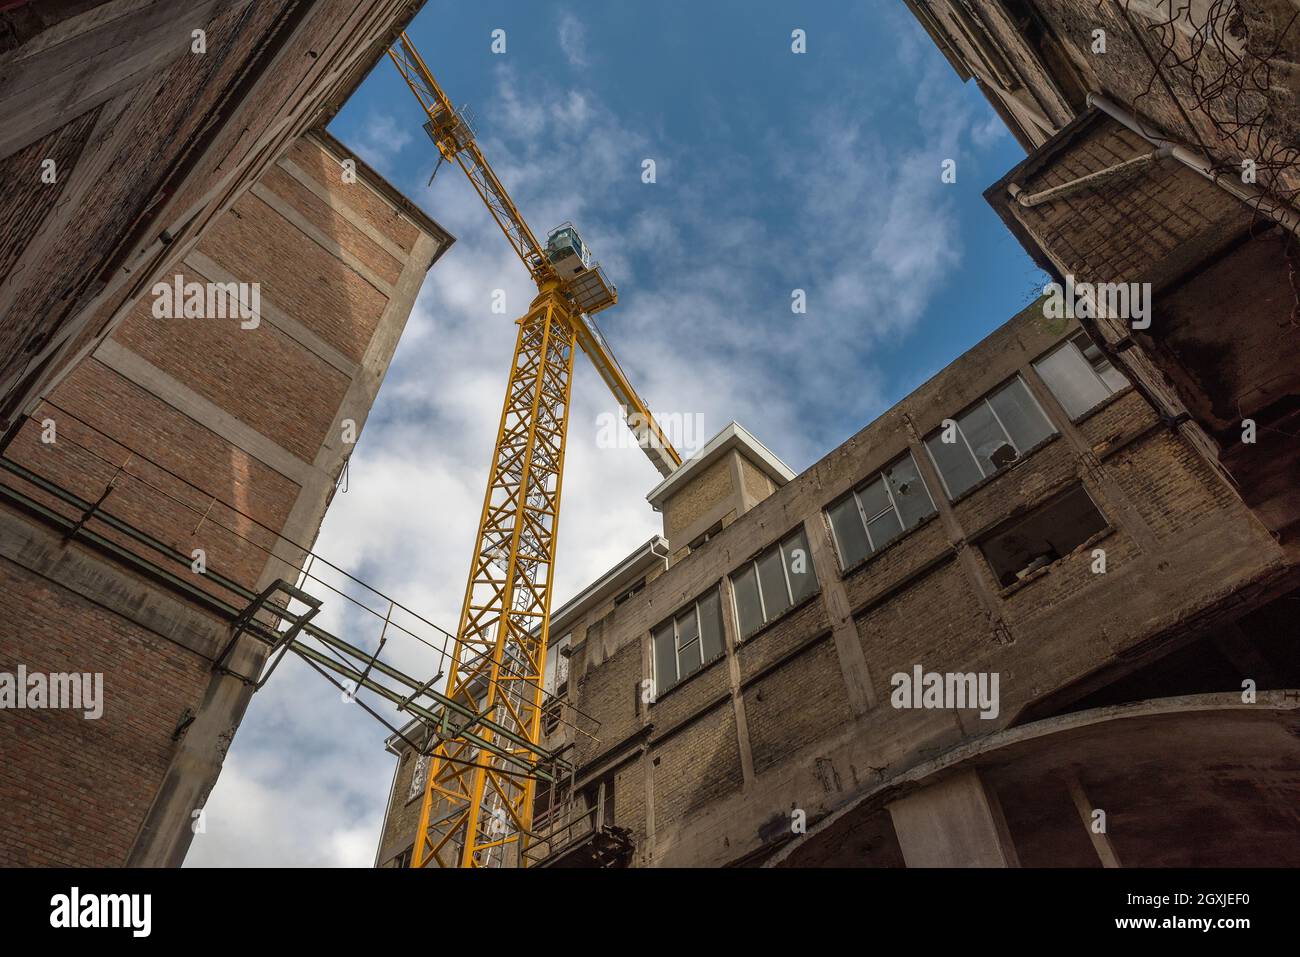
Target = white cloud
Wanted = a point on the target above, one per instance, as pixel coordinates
(573, 40)
(381, 140)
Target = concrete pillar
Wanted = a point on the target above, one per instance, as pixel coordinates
(956, 822)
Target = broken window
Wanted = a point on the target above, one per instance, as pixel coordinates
(776, 581)
(418, 776)
(688, 641)
(879, 510)
(1080, 375)
(555, 677)
(1022, 545)
(990, 435)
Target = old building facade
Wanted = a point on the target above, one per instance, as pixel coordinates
(181, 421)
(1025, 520)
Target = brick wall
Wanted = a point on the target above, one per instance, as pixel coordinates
(75, 790)
(211, 436)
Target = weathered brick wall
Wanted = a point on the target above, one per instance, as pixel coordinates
(695, 767)
(1171, 485)
(74, 790)
(705, 494)
(212, 436)
(150, 155)
(795, 705)
(1118, 422)
(403, 812)
(609, 692)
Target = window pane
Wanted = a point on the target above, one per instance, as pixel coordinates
(665, 659)
(1071, 380)
(884, 529)
(798, 566)
(910, 494)
(688, 629)
(986, 438)
(874, 499)
(772, 581)
(747, 607)
(849, 535)
(954, 463)
(1021, 415)
(688, 658)
(1114, 379)
(711, 626)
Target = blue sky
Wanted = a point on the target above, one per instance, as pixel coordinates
(775, 171)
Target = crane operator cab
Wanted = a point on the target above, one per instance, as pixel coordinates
(586, 282)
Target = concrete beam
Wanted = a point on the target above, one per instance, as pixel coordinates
(956, 822)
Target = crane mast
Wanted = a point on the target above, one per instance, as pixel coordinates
(477, 808)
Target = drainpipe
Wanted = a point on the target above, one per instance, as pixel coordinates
(1090, 181)
(1281, 213)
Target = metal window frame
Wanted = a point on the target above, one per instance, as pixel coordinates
(1069, 343)
(984, 399)
(677, 648)
(879, 476)
(779, 546)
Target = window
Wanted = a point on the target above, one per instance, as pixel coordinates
(1023, 545)
(1080, 375)
(403, 859)
(773, 583)
(879, 510)
(701, 540)
(989, 436)
(418, 775)
(687, 642)
(631, 592)
(555, 677)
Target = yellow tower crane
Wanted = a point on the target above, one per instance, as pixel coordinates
(477, 808)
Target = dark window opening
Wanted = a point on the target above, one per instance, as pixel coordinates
(702, 539)
(630, 592)
(1020, 547)
(551, 714)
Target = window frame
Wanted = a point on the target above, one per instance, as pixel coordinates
(1047, 502)
(854, 493)
(414, 790)
(659, 689)
(1021, 454)
(751, 566)
(1068, 342)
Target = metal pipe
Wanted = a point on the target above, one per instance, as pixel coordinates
(1087, 182)
(1281, 213)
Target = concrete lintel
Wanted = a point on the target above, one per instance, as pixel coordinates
(327, 243)
(273, 315)
(334, 197)
(145, 374)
